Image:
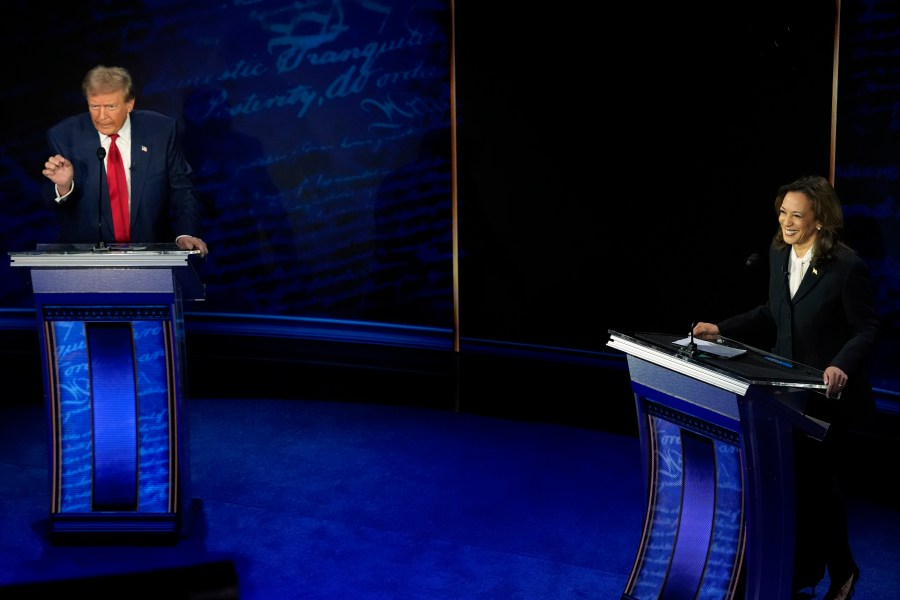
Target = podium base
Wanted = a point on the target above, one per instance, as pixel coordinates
(115, 528)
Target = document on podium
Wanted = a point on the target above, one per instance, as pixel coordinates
(713, 348)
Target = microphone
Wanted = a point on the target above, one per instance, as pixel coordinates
(101, 154)
(692, 346)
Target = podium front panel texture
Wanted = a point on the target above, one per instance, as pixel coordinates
(716, 442)
(112, 351)
(693, 540)
(113, 410)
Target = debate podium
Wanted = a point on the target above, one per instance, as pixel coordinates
(111, 332)
(716, 425)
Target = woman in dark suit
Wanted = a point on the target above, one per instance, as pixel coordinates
(822, 311)
(162, 205)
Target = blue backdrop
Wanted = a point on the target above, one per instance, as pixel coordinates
(319, 133)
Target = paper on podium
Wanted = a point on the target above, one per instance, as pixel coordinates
(712, 347)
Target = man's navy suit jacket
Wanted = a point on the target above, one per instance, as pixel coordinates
(163, 204)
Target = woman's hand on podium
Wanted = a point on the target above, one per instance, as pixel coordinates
(835, 379)
(706, 331)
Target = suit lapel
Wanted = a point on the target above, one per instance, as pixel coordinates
(139, 161)
(784, 258)
(813, 275)
(89, 137)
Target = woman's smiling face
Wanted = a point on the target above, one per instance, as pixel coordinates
(799, 225)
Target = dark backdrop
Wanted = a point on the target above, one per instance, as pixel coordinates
(614, 170)
(617, 171)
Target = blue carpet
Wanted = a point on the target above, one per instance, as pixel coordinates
(316, 499)
(328, 500)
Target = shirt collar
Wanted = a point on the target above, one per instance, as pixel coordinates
(125, 131)
(801, 261)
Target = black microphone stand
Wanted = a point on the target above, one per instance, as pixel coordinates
(692, 346)
(100, 247)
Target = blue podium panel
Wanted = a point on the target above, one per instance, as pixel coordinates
(110, 411)
(112, 340)
(716, 428)
(693, 542)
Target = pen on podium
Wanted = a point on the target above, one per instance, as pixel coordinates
(777, 361)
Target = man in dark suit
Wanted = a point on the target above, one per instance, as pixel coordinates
(822, 312)
(162, 205)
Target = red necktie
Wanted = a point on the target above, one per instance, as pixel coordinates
(118, 191)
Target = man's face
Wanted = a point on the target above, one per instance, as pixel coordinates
(109, 111)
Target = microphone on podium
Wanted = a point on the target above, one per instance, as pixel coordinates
(692, 346)
(101, 154)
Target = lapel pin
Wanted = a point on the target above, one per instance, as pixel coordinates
(143, 148)
(815, 272)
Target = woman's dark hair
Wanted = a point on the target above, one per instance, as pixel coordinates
(826, 207)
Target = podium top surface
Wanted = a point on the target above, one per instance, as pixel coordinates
(112, 255)
(747, 366)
